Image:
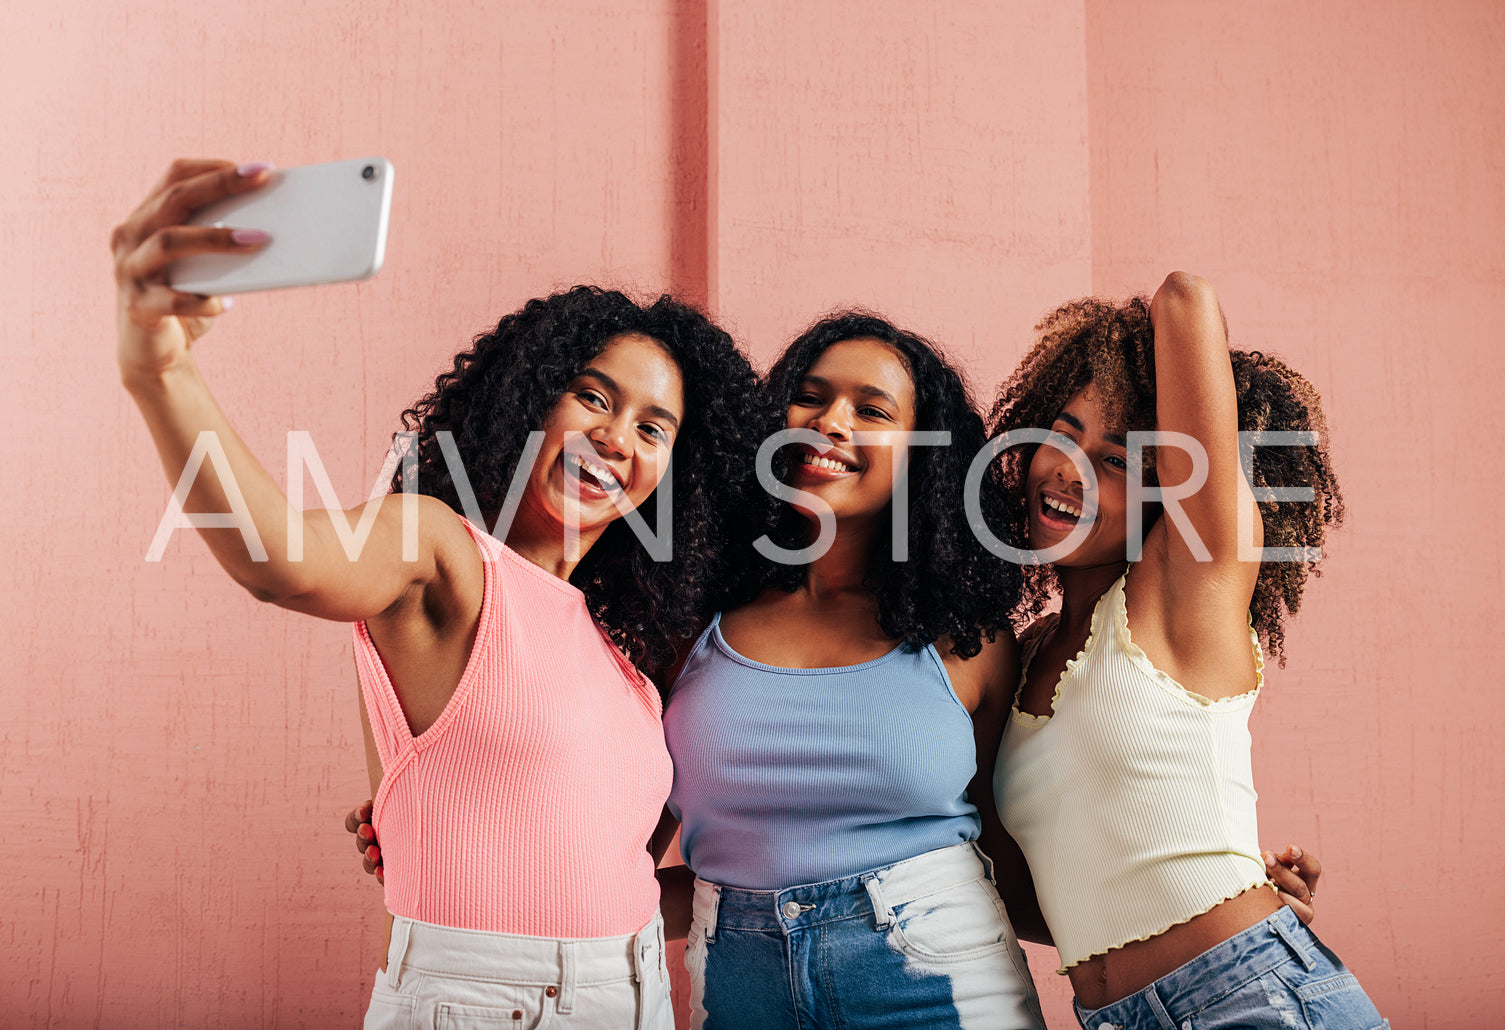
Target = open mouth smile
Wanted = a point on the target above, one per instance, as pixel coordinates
(822, 467)
(1059, 512)
(820, 461)
(592, 474)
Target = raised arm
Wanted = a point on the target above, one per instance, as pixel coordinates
(156, 328)
(1195, 396)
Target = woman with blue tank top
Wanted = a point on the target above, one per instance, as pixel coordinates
(826, 731)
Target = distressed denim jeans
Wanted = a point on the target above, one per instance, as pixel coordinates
(1275, 975)
(921, 943)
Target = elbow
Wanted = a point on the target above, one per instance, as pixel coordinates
(1186, 288)
(270, 586)
(264, 594)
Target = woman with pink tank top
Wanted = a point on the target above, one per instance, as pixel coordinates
(497, 673)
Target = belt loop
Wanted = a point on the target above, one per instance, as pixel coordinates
(1277, 924)
(883, 916)
(1152, 998)
(397, 951)
(987, 863)
(643, 943)
(710, 923)
(569, 971)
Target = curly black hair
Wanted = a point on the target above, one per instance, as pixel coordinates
(507, 383)
(951, 585)
(1112, 346)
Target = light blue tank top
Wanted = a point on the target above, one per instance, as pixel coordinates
(792, 776)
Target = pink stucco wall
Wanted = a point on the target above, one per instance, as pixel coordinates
(177, 758)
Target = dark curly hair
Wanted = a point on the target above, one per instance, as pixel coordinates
(1112, 346)
(951, 585)
(507, 383)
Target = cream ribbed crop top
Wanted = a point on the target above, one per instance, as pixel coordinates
(1134, 800)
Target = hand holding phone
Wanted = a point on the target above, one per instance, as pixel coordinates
(327, 223)
(156, 324)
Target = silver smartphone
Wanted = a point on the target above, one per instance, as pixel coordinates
(328, 224)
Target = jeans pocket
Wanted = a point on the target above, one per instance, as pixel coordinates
(389, 1010)
(1339, 1003)
(453, 1016)
(952, 925)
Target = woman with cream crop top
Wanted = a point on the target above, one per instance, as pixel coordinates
(1124, 772)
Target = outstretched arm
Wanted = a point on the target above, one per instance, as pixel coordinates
(156, 328)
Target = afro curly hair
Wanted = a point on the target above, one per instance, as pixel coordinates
(950, 586)
(1112, 346)
(506, 385)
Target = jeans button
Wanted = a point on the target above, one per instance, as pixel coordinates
(791, 909)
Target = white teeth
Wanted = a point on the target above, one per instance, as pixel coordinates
(600, 473)
(1051, 502)
(821, 462)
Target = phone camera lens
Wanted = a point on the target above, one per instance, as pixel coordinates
(368, 172)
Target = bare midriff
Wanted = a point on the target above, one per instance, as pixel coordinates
(1104, 979)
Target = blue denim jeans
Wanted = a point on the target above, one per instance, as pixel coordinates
(1275, 974)
(921, 943)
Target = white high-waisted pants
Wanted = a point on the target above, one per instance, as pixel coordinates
(449, 979)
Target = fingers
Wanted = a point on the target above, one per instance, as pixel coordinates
(1292, 883)
(186, 168)
(187, 186)
(356, 816)
(1305, 863)
(149, 305)
(148, 261)
(358, 822)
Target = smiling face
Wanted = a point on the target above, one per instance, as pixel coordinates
(607, 441)
(1059, 499)
(855, 386)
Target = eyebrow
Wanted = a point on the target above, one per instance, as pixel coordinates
(612, 385)
(866, 390)
(1075, 423)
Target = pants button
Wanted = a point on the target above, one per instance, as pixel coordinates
(791, 910)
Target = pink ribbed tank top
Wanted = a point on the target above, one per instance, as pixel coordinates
(527, 806)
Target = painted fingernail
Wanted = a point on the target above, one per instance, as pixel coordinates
(226, 303)
(255, 168)
(1269, 858)
(250, 236)
(1295, 852)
